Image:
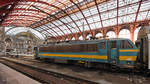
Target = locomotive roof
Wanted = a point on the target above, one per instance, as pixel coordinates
(84, 41)
(94, 41)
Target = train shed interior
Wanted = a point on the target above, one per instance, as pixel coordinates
(75, 41)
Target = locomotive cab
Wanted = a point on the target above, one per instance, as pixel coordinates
(128, 53)
(142, 43)
(122, 52)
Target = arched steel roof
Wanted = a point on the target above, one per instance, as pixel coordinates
(57, 18)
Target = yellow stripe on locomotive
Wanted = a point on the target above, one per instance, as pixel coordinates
(77, 56)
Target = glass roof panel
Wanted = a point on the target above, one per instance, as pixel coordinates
(108, 12)
(96, 18)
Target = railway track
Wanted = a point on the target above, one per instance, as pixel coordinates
(44, 76)
(121, 71)
(132, 78)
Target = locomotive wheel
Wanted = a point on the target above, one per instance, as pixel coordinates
(114, 68)
(146, 73)
(71, 62)
(37, 58)
(88, 64)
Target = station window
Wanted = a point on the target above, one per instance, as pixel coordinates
(102, 45)
(113, 44)
(125, 44)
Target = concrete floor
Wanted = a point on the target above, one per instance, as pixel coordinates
(10, 76)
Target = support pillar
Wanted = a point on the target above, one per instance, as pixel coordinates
(132, 36)
(132, 33)
(84, 36)
(70, 37)
(76, 37)
(134, 26)
(94, 33)
(117, 32)
(117, 26)
(103, 32)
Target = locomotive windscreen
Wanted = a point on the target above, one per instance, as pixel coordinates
(70, 48)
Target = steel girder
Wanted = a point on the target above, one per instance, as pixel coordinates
(74, 10)
(83, 16)
(6, 2)
(134, 25)
(53, 31)
(71, 19)
(99, 13)
(26, 16)
(117, 25)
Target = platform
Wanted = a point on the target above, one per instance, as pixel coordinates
(10, 76)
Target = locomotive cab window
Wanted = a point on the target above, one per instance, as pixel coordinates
(125, 44)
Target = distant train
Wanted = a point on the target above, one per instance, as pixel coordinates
(119, 52)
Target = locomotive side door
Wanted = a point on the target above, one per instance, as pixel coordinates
(113, 51)
(103, 49)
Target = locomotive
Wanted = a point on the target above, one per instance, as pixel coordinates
(118, 52)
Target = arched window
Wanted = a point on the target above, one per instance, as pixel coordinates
(73, 38)
(61, 40)
(136, 33)
(88, 36)
(17, 30)
(99, 35)
(81, 38)
(124, 33)
(111, 34)
(67, 39)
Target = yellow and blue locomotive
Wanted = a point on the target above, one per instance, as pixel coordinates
(112, 51)
(119, 52)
